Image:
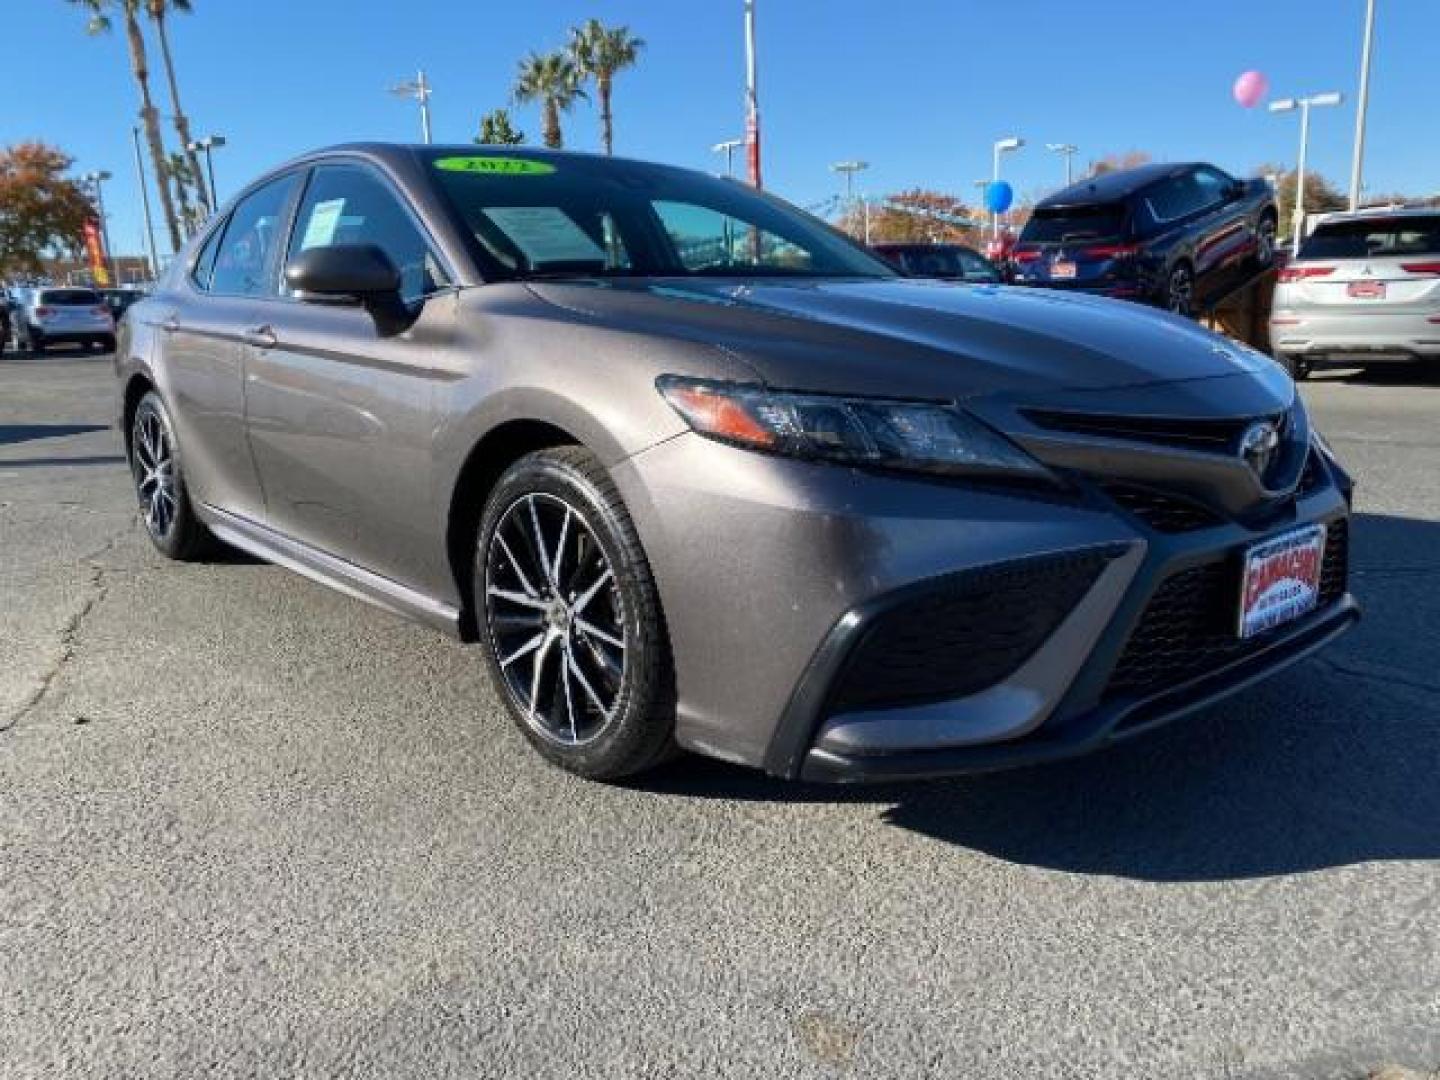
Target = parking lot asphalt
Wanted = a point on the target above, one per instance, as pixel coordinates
(250, 827)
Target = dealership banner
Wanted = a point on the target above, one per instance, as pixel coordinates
(95, 252)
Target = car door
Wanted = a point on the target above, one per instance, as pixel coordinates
(341, 412)
(1225, 236)
(201, 321)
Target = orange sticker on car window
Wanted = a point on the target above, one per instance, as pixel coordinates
(495, 166)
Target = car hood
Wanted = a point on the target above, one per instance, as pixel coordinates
(907, 338)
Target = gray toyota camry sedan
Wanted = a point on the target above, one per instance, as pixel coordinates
(695, 471)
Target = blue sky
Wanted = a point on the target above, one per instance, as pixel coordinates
(920, 88)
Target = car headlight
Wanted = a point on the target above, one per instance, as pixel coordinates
(908, 435)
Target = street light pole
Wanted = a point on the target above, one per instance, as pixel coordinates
(209, 145)
(728, 148)
(419, 90)
(1362, 104)
(1002, 146)
(1068, 152)
(145, 205)
(97, 179)
(1304, 104)
(849, 169)
(752, 97)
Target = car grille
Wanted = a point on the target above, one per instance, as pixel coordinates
(1188, 629)
(966, 634)
(1219, 436)
(1161, 511)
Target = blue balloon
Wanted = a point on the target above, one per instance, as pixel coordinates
(998, 196)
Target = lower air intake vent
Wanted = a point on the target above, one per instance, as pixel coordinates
(1188, 629)
(966, 634)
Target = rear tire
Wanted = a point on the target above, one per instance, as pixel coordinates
(34, 344)
(156, 466)
(569, 618)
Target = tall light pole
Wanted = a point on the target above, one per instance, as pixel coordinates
(1362, 104)
(96, 179)
(728, 148)
(209, 145)
(1002, 146)
(1305, 104)
(145, 204)
(752, 97)
(848, 169)
(419, 90)
(1068, 151)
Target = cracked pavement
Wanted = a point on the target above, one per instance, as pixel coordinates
(249, 827)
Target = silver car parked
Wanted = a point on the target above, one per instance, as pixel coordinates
(695, 470)
(1365, 289)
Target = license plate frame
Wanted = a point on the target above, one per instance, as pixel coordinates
(1292, 563)
(1062, 269)
(1365, 290)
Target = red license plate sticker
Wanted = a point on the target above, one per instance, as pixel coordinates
(1366, 290)
(1281, 581)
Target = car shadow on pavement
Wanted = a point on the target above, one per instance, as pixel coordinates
(18, 433)
(1381, 375)
(1332, 762)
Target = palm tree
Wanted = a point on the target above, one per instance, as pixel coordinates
(158, 11)
(140, 69)
(554, 81)
(600, 52)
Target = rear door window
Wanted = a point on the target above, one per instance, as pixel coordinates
(245, 261)
(1374, 238)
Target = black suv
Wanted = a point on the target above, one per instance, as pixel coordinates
(1178, 236)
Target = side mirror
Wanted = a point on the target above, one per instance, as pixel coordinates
(356, 272)
(351, 273)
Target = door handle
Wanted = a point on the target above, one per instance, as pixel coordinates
(262, 337)
(171, 323)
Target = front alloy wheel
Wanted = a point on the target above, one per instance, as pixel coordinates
(557, 619)
(570, 617)
(1180, 291)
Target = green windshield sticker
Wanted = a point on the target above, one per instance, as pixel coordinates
(495, 166)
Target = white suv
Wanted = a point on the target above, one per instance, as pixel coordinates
(1365, 289)
(51, 315)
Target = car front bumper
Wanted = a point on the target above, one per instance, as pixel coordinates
(772, 572)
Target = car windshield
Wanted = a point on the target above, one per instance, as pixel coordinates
(535, 217)
(1374, 238)
(948, 262)
(1058, 224)
(70, 297)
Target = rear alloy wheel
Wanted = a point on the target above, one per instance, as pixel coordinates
(570, 618)
(165, 508)
(1180, 291)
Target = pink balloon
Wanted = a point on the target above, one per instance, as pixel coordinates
(1251, 88)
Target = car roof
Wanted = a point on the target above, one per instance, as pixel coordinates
(921, 245)
(1113, 186)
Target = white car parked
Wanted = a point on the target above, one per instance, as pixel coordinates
(49, 315)
(1365, 289)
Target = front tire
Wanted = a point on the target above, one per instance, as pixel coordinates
(155, 464)
(1265, 242)
(569, 618)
